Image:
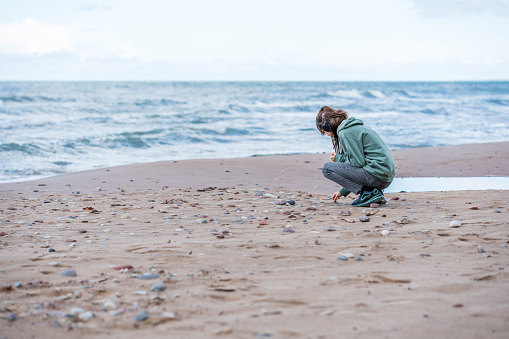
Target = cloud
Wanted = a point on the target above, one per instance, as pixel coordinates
(443, 8)
(32, 37)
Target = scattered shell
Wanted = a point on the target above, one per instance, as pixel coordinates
(455, 224)
(480, 249)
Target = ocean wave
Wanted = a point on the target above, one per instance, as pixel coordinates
(25, 98)
(501, 102)
(159, 102)
(355, 94)
(374, 93)
(26, 149)
(350, 94)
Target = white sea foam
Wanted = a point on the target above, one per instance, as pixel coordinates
(353, 94)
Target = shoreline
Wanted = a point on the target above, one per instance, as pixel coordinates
(293, 172)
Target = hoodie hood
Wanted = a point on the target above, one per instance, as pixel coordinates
(349, 123)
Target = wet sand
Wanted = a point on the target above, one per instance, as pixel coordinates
(249, 248)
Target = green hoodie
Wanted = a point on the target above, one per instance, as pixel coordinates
(360, 146)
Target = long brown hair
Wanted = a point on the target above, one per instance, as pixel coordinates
(328, 120)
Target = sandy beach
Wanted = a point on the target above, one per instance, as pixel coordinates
(254, 248)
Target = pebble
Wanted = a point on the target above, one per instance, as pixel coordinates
(330, 229)
(11, 317)
(51, 250)
(3, 234)
(385, 232)
(455, 224)
(288, 229)
(473, 208)
(263, 222)
(158, 287)
(342, 257)
(480, 249)
(69, 273)
(86, 316)
(498, 211)
(53, 264)
(140, 292)
(148, 276)
(18, 284)
(142, 316)
(123, 267)
(110, 305)
(364, 219)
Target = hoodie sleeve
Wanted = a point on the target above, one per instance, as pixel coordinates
(353, 152)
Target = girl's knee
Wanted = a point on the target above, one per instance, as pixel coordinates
(326, 169)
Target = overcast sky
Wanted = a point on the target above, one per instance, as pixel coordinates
(333, 40)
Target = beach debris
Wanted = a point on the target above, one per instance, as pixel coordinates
(403, 221)
(222, 330)
(158, 287)
(455, 224)
(69, 273)
(364, 219)
(385, 232)
(480, 249)
(370, 211)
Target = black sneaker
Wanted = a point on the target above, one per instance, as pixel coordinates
(367, 198)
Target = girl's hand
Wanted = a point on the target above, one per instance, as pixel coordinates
(336, 196)
(333, 156)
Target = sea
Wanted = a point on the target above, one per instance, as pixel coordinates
(49, 128)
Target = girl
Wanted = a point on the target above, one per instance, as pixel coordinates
(362, 163)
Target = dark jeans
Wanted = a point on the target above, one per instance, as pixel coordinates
(352, 178)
